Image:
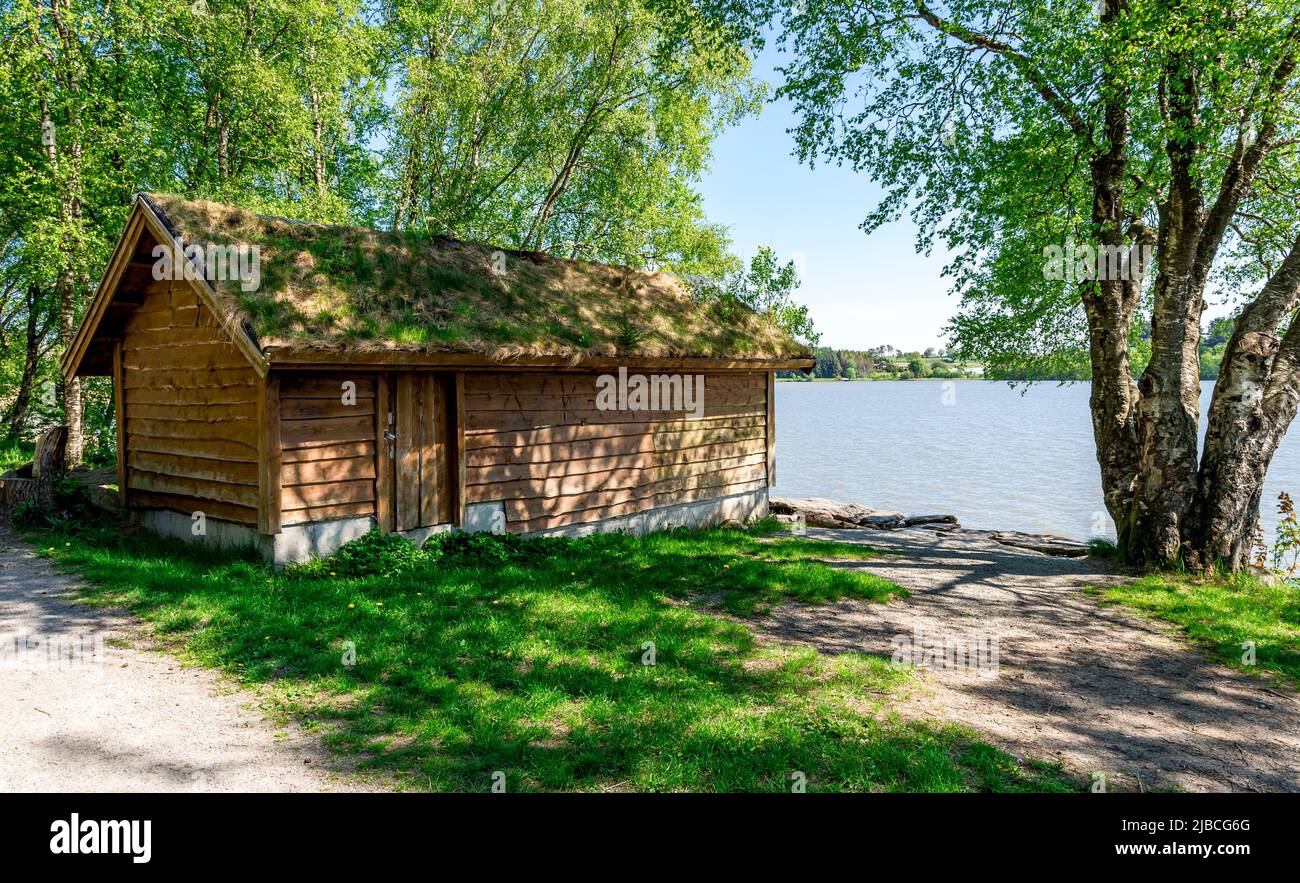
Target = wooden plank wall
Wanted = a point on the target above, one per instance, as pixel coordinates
(538, 443)
(190, 403)
(328, 447)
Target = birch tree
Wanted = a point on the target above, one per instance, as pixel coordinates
(1012, 129)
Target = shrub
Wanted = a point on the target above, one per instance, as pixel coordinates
(762, 527)
(455, 548)
(374, 554)
(33, 515)
(1286, 547)
(69, 506)
(72, 500)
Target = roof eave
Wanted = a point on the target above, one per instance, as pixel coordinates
(283, 357)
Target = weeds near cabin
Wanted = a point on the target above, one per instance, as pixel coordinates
(764, 527)
(1100, 547)
(482, 653)
(1286, 545)
(69, 507)
(373, 554)
(14, 453)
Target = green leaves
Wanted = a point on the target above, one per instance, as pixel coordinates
(561, 126)
(982, 120)
(765, 287)
(569, 126)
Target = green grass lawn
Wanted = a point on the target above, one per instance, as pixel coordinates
(1224, 613)
(529, 658)
(15, 453)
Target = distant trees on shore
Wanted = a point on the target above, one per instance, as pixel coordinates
(1075, 366)
(881, 363)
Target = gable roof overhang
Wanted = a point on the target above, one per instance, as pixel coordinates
(82, 358)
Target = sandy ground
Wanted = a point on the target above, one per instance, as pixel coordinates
(132, 719)
(1092, 686)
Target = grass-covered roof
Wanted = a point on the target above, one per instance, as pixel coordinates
(352, 289)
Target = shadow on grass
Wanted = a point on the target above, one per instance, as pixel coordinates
(584, 668)
(1248, 624)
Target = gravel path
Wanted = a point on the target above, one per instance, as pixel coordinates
(125, 719)
(1093, 686)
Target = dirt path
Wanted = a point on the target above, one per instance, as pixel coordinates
(128, 719)
(1093, 686)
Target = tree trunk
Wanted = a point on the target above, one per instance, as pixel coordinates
(318, 144)
(70, 218)
(1109, 305)
(1203, 515)
(1255, 400)
(1113, 401)
(71, 387)
(49, 462)
(1167, 425)
(1170, 389)
(31, 362)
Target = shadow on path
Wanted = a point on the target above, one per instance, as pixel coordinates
(1097, 688)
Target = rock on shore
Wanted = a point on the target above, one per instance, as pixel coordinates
(819, 512)
(1035, 542)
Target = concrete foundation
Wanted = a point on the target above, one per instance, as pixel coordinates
(701, 513)
(303, 542)
(204, 530)
(295, 543)
(485, 517)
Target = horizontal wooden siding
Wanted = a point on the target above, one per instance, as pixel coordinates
(190, 404)
(327, 438)
(539, 444)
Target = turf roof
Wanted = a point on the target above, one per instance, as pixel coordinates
(353, 289)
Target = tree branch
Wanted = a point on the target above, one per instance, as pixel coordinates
(1022, 63)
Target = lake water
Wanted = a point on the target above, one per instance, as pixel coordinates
(996, 457)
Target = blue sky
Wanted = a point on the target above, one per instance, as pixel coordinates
(863, 291)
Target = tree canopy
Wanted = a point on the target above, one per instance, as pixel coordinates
(564, 126)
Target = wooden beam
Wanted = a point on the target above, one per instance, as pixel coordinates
(406, 459)
(270, 456)
(430, 436)
(383, 461)
(771, 428)
(119, 416)
(444, 455)
(460, 449)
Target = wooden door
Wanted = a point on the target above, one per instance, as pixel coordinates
(421, 441)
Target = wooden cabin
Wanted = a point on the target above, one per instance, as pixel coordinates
(290, 386)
